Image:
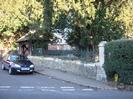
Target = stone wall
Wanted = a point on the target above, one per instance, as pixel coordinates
(88, 70)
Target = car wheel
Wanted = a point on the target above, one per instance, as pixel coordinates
(10, 71)
(3, 67)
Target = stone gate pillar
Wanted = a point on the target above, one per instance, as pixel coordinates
(100, 70)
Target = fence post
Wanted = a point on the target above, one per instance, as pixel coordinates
(101, 76)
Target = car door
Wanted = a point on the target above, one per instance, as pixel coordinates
(6, 61)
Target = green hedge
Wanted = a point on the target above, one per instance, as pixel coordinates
(119, 60)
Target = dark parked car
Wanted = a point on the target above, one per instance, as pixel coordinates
(17, 63)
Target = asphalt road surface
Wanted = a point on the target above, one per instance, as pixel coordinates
(36, 86)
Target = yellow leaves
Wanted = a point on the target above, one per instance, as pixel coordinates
(77, 6)
(83, 8)
(126, 16)
(17, 13)
(62, 5)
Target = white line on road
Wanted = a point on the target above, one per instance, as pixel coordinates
(27, 87)
(87, 89)
(45, 87)
(5, 87)
(48, 90)
(66, 87)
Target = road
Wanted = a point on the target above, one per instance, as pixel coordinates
(37, 86)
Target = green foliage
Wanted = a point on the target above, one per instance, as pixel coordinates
(47, 12)
(61, 21)
(105, 29)
(97, 20)
(16, 14)
(18, 17)
(74, 15)
(78, 38)
(105, 26)
(119, 60)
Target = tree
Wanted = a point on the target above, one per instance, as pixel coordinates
(102, 24)
(76, 16)
(48, 10)
(91, 21)
(105, 25)
(126, 16)
(18, 16)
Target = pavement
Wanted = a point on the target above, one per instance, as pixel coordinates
(73, 78)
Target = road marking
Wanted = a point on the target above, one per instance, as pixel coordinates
(66, 87)
(27, 87)
(48, 90)
(5, 87)
(87, 89)
(45, 87)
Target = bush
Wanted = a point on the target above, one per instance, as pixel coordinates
(119, 60)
